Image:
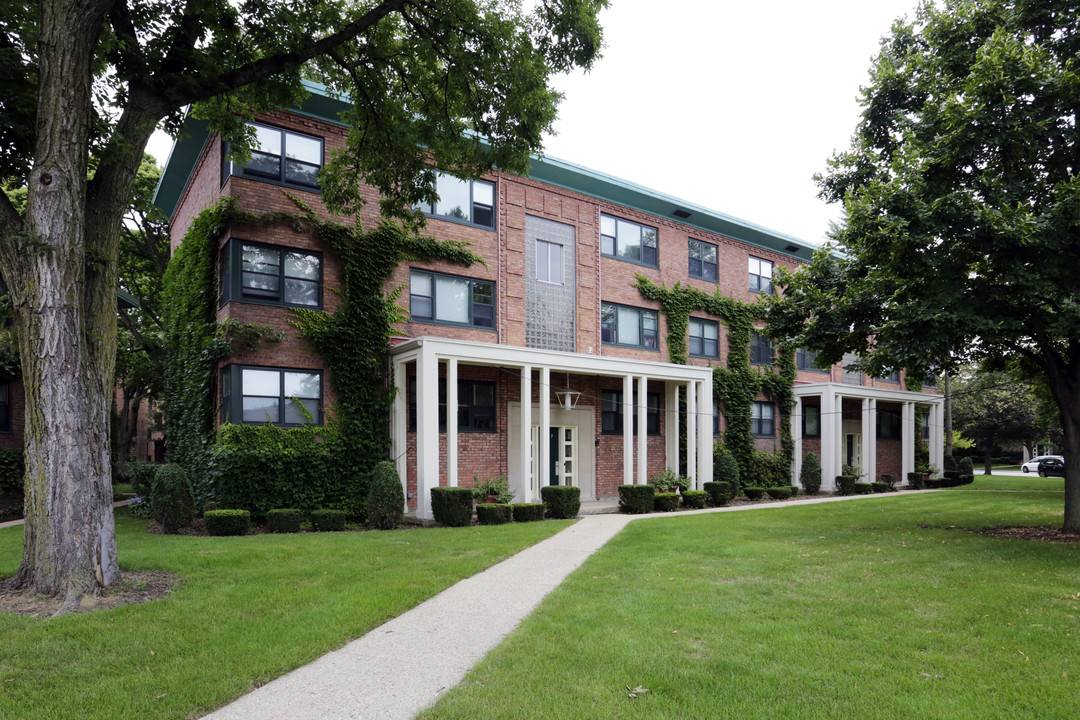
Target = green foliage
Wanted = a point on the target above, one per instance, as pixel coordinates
(965, 466)
(528, 512)
(562, 501)
(720, 493)
(452, 506)
(282, 520)
(862, 488)
(666, 501)
(810, 474)
(327, 520)
(171, 497)
(386, 500)
(141, 475)
(779, 492)
(227, 522)
(915, 480)
(669, 481)
(845, 484)
(754, 492)
(725, 469)
(949, 463)
(12, 469)
(770, 469)
(496, 487)
(694, 499)
(493, 513)
(636, 499)
(882, 487)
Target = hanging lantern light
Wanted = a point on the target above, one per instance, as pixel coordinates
(568, 399)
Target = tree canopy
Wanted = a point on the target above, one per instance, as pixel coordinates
(962, 207)
(993, 408)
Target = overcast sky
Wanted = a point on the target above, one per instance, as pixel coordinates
(730, 105)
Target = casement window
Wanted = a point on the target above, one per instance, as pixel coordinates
(762, 419)
(549, 262)
(476, 405)
(807, 360)
(252, 272)
(262, 395)
(811, 421)
(703, 260)
(704, 338)
(451, 300)
(5, 406)
(280, 156)
(761, 276)
(611, 409)
(888, 425)
(629, 326)
(761, 349)
(627, 240)
(468, 201)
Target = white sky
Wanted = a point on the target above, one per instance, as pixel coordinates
(730, 105)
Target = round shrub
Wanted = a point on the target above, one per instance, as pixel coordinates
(864, 488)
(915, 480)
(719, 493)
(810, 474)
(636, 499)
(283, 520)
(141, 477)
(227, 522)
(753, 492)
(794, 490)
(694, 499)
(327, 520)
(528, 512)
(171, 497)
(881, 487)
(452, 506)
(965, 466)
(563, 501)
(386, 500)
(845, 484)
(665, 502)
(779, 492)
(493, 513)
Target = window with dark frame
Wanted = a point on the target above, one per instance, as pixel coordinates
(262, 395)
(549, 262)
(888, 425)
(469, 201)
(280, 156)
(476, 405)
(703, 260)
(629, 326)
(628, 240)
(451, 300)
(611, 408)
(704, 338)
(807, 360)
(762, 420)
(761, 272)
(271, 275)
(761, 349)
(811, 423)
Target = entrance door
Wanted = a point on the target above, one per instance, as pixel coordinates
(562, 455)
(853, 450)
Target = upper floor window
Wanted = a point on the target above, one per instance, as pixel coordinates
(476, 405)
(704, 338)
(811, 421)
(549, 262)
(924, 423)
(763, 420)
(269, 395)
(852, 374)
(471, 201)
(893, 377)
(450, 299)
(630, 326)
(611, 412)
(761, 349)
(628, 240)
(807, 360)
(703, 260)
(761, 276)
(279, 155)
(5, 406)
(252, 272)
(888, 425)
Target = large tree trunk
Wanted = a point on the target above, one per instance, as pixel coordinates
(1070, 424)
(988, 455)
(127, 426)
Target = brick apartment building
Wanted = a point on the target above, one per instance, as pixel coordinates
(553, 359)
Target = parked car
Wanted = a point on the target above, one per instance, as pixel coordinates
(1052, 467)
(1032, 465)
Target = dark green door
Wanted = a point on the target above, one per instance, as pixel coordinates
(553, 456)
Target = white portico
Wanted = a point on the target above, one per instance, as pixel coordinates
(431, 357)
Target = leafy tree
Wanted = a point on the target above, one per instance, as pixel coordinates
(962, 207)
(993, 408)
(84, 84)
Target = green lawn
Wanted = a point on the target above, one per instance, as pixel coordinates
(1031, 481)
(247, 610)
(878, 608)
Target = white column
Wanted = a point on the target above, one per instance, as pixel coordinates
(543, 453)
(451, 423)
(399, 429)
(937, 435)
(525, 437)
(870, 444)
(643, 434)
(796, 434)
(671, 426)
(907, 442)
(627, 429)
(867, 431)
(427, 429)
(692, 410)
(829, 442)
(704, 427)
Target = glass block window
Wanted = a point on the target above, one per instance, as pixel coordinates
(549, 262)
(628, 240)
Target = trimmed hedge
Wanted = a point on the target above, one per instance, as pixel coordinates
(779, 492)
(386, 500)
(966, 479)
(172, 498)
(794, 490)
(528, 512)
(283, 520)
(720, 493)
(810, 474)
(881, 487)
(694, 499)
(753, 492)
(636, 499)
(845, 484)
(327, 520)
(862, 488)
(493, 513)
(965, 466)
(915, 480)
(726, 469)
(227, 522)
(563, 501)
(665, 502)
(452, 506)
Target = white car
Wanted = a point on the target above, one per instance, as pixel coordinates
(1032, 465)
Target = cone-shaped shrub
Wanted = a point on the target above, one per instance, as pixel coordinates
(386, 500)
(171, 497)
(810, 475)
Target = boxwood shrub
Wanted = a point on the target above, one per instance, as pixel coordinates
(810, 474)
(327, 520)
(227, 522)
(794, 490)
(283, 520)
(779, 492)
(694, 499)
(452, 506)
(527, 512)
(172, 498)
(719, 493)
(966, 479)
(862, 488)
(563, 501)
(915, 480)
(493, 513)
(665, 502)
(753, 492)
(636, 499)
(141, 476)
(845, 484)
(386, 500)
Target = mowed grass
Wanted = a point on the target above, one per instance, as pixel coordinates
(1031, 482)
(883, 607)
(247, 610)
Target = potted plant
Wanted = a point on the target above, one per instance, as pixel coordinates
(492, 490)
(669, 481)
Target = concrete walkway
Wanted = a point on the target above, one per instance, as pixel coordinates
(404, 665)
(13, 523)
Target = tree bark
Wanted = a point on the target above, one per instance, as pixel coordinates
(948, 415)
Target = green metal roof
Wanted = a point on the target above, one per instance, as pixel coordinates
(186, 151)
